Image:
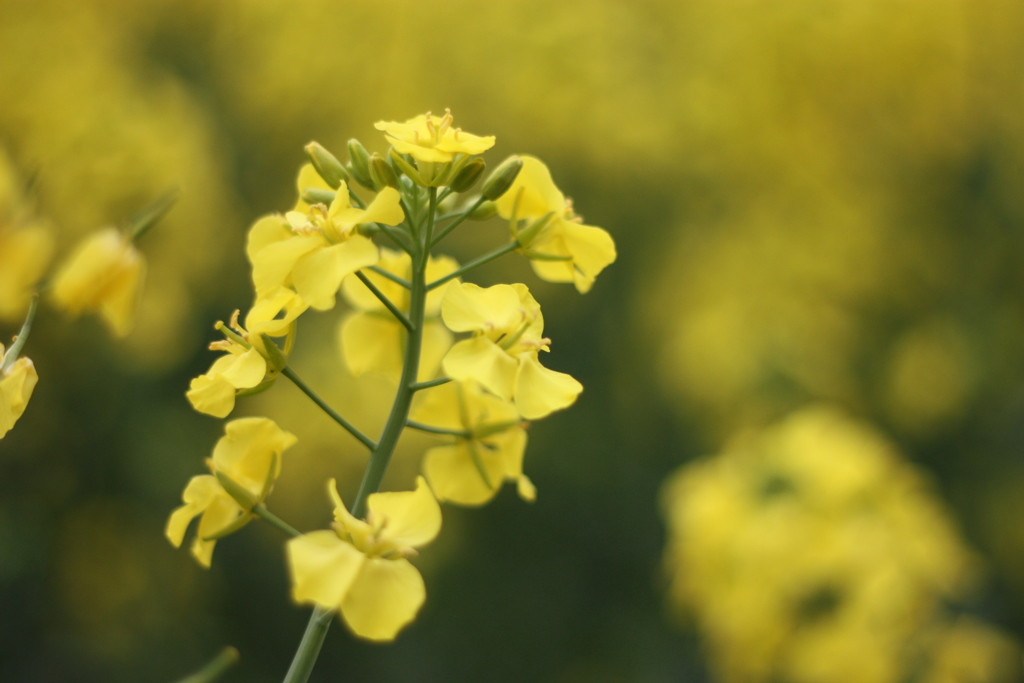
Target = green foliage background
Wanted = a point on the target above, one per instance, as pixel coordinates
(814, 200)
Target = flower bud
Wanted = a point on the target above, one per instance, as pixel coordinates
(315, 195)
(530, 232)
(275, 357)
(405, 166)
(360, 162)
(467, 177)
(327, 165)
(381, 173)
(244, 499)
(484, 211)
(502, 178)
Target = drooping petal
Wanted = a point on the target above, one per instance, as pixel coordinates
(540, 391)
(198, 493)
(456, 478)
(372, 342)
(592, 250)
(413, 518)
(273, 264)
(467, 307)
(247, 449)
(318, 274)
(16, 386)
(507, 448)
(265, 315)
(211, 394)
(536, 191)
(322, 567)
(481, 359)
(385, 596)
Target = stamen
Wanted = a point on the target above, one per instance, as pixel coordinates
(233, 323)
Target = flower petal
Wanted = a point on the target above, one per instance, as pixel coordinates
(246, 370)
(211, 394)
(248, 448)
(455, 477)
(396, 262)
(481, 359)
(322, 567)
(371, 342)
(273, 264)
(467, 307)
(540, 391)
(16, 386)
(264, 232)
(437, 340)
(539, 192)
(412, 518)
(197, 496)
(308, 178)
(385, 596)
(317, 275)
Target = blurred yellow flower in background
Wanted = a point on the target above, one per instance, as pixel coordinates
(360, 568)
(811, 551)
(104, 275)
(16, 385)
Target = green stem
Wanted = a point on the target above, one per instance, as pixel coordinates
(215, 669)
(349, 427)
(454, 224)
(419, 386)
(309, 648)
(430, 429)
(144, 221)
(384, 300)
(394, 237)
(320, 620)
(275, 521)
(486, 258)
(19, 341)
(391, 276)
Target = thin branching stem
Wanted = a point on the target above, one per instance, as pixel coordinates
(391, 276)
(486, 258)
(388, 304)
(331, 412)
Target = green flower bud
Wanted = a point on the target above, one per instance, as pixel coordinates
(359, 159)
(467, 177)
(406, 166)
(502, 178)
(314, 195)
(528, 234)
(381, 173)
(275, 357)
(327, 165)
(245, 499)
(486, 210)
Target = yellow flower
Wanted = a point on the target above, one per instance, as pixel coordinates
(360, 569)
(16, 385)
(472, 469)
(245, 367)
(312, 250)
(250, 455)
(24, 254)
(431, 138)
(564, 250)
(104, 274)
(373, 340)
(507, 329)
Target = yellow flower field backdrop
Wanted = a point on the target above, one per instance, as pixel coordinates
(809, 350)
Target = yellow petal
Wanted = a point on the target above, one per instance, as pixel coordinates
(248, 448)
(536, 191)
(273, 264)
(467, 307)
(212, 395)
(396, 262)
(246, 370)
(123, 296)
(526, 490)
(436, 269)
(309, 178)
(264, 232)
(318, 274)
(437, 340)
(16, 386)
(265, 316)
(385, 596)
(221, 513)
(24, 255)
(197, 496)
(455, 477)
(540, 391)
(385, 208)
(484, 361)
(592, 250)
(322, 567)
(440, 407)
(413, 518)
(372, 342)
(507, 448)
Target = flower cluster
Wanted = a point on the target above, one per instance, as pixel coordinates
(466, 359)
(812, 552)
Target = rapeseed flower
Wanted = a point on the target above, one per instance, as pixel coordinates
(104, 274)
(249, 454)
(245, 365)
(431, 138)
(373, 340)
(360, 567)
(471, 469)
(25, 251)
(313, 249)
(559, 246)
(507, 328)
(16, 385)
